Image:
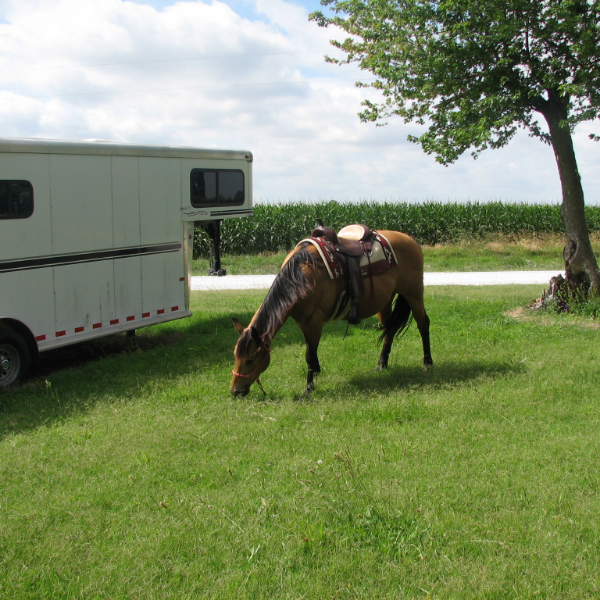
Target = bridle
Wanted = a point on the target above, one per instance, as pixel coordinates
(236, 374)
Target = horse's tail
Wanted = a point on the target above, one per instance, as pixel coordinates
(399, 320)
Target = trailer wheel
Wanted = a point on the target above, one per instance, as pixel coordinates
(14, 357)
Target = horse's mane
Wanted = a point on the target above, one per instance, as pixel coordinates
(290, 286)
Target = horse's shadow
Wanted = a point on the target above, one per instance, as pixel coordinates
(397, 377)
(444, 374)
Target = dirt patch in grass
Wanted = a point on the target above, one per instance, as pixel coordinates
(535, 244)
(545, 317)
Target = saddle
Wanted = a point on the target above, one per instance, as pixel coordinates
(350, 243)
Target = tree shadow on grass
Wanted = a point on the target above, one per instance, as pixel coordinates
(74, 378)
(196, 333)
(54, 361)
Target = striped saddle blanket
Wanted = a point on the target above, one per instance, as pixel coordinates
(378, 260)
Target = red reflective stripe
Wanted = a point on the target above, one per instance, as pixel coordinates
(97, 325)
(132, 318)
(144, 315)
(78, 329)
(60, 333)
(40, 338)
(174, 308)
(182, 279)
(160, 312)
(114, 322)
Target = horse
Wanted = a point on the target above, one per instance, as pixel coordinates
(304, 290)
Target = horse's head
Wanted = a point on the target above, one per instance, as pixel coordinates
(252, 357)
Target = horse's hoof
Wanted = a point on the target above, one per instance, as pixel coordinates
(305, 395)
(380, 367)
(428, 367)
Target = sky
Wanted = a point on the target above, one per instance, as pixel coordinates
(242, 74)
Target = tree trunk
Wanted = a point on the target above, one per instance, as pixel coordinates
(580, 263)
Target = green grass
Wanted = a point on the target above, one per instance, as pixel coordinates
(245, 264)
(135, 474)
(492, 253)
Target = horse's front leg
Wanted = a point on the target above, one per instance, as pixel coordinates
(388, 340)
(314, 368)
(312, 331)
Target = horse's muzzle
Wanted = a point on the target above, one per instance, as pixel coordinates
(240, 393)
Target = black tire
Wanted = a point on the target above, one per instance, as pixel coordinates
(15, 358)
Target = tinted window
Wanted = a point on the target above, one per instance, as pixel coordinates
(215, 186)
(16, 199)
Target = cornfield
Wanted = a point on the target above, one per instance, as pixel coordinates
(278, 227)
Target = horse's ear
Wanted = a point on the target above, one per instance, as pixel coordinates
(254, 335)
(238, 325)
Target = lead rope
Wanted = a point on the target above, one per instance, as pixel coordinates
(346, 332)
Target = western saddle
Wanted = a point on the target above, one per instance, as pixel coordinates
(350, 243)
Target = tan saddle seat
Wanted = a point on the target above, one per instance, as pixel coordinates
(354, 240)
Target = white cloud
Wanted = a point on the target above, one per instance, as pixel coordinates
(201, 74)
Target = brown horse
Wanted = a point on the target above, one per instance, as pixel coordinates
(304, 291)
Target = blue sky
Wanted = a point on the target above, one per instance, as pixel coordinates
(243, 74)
(242, 7)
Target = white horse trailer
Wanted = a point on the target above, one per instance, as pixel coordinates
(96, 237)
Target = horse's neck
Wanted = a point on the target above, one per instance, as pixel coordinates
(270, 332)
(290, 287)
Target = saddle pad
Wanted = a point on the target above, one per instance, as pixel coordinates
(328, 254)
(382, 256)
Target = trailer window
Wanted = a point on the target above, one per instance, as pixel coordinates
(217, 186)
(16, 199)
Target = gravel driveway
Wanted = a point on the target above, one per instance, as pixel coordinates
(254, 282)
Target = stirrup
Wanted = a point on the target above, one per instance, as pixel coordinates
(353, 316)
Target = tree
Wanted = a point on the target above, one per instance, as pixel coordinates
(475, 71)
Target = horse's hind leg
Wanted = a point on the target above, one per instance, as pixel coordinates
(422, 320)
(397, 319)
(424, 331)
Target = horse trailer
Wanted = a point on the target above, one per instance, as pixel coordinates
(96, 237)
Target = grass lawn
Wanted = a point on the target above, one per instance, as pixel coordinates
(128, 470)
(497, 253)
